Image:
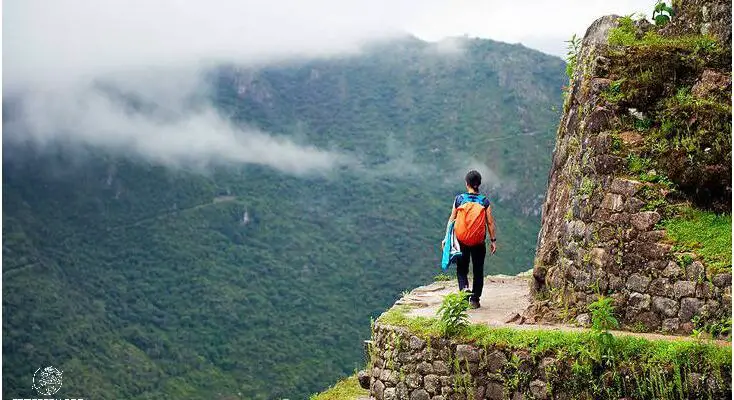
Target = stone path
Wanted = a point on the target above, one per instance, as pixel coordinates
(503, 301)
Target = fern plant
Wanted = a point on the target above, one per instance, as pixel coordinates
(453, 312)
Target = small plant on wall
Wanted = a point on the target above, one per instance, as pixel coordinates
(662, 13)
(452, 313)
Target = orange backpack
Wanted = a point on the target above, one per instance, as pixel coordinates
(471, 218)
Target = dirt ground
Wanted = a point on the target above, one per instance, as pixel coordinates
(504, 298)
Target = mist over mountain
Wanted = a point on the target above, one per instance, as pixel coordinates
(228, 229)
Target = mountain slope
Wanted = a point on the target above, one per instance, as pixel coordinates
(140, 281)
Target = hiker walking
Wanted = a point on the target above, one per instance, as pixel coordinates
(472, 219)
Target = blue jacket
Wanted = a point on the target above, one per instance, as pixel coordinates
(451, 249)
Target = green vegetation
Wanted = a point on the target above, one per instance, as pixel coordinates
(630, 367)
(574, 44)
(706, 233)
(110, 262)
(625, 34)
(687, 137)
(715, 328)
(346, 389)
(662, 13)
(452, 313)
(442, 277)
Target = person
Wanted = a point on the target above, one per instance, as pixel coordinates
(473, 220)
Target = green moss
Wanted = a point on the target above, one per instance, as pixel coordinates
(587, 186)
(705, 233)
(346, 389)
(625, 35)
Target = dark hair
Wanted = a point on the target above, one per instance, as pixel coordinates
(473, 179)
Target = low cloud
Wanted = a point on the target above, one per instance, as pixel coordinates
(164, 120)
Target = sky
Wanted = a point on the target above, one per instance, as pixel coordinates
(53, 50)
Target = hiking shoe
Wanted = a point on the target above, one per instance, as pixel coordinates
(473, 304)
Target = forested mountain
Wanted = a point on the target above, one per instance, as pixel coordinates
(143, 281)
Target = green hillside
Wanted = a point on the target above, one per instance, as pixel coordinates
(143, 282)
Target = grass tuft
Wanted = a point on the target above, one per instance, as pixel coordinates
(346, 389)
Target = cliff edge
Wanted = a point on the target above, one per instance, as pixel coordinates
(639, 196)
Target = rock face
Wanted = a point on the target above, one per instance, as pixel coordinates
(600, 230)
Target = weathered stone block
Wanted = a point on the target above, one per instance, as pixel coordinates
(393, 379)
(402, 391)
(651, 236)
(625, 187)
(672, 270)
(633, 205)
(684, 289)
(654, 251)
(538, 389)
(407, 357)
(424, 368)
(599, 257)
(671, 325)
(649, 319)
(494, 391)
(391, 394)
(638, 283)
(364, 379)
(440, 368)
(446, 380)
(384, 374)
(689, 307)
(419, 394)
(615, 283)
(479, 392)
(496, 361)
(467, 353)
(639, 302)
(696, 271)
(613, 202)
(432, 383)
(414, 380)
(599, 120)
(645, 220)
(576, 229)
(711, 82)
(722, 280)
(660, 287)
(665, 306)
(710, 307)
(378, 389)
(438, 397)
(417, 343)
(706, 290)
(607, 164)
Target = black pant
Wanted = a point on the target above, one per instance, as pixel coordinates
(477, 254)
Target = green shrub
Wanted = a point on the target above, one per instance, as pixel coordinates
(452, 313)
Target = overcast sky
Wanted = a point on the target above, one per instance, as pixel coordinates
(61, 36)
(53, 49)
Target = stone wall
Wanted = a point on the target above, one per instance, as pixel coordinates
(403, 366)
(599, 232)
